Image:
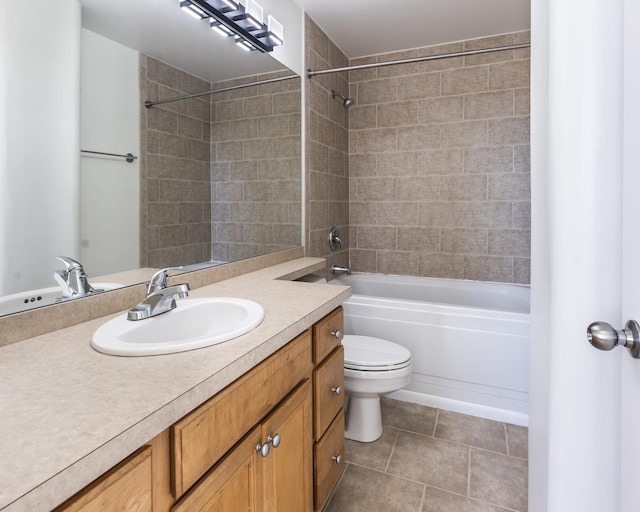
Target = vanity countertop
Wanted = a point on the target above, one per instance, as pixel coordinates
(70, 413)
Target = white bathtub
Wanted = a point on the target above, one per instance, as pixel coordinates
(469, 340)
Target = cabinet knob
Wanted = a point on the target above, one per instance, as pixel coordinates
(337, 334)
(337, 459)
(264, 449)
(274, 440)
(336, 389)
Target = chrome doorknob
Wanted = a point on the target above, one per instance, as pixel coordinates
(604, 337)
(337, 334)
(336, 389)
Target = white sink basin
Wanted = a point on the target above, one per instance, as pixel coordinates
(194, 323)
(31, 299)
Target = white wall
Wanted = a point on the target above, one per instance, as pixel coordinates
(576, 240)
(287, 12)
(109, 187)
(39, 70)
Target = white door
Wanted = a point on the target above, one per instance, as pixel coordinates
(630, 371)
(576, 402)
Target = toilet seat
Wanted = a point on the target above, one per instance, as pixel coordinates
(366, 353)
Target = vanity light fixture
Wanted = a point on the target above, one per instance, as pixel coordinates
(243, 19)
(193, 10)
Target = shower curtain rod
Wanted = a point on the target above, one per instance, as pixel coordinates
(150, 104)
(312, 73)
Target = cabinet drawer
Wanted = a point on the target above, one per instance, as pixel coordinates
(323, 341)
(328, 391)
(328, 460)
(202, 437)
(126, 487)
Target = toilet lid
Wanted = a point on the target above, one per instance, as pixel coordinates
(369, 353)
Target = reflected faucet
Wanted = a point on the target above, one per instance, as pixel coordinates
(73, 279)
(336, 269)
(160, 297)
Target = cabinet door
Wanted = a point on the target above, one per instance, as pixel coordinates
(234, 484)
(288, 467)
(127, 487)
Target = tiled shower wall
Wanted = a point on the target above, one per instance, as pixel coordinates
(255, 168)
(439, 164)
(327, 145)
(175, 194)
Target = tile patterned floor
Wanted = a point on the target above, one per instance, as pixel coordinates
(430, 460)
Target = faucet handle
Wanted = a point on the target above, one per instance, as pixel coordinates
(158, 280)
(69, 263)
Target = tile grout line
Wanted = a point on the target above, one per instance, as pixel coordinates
(506, 438)
(393, 448)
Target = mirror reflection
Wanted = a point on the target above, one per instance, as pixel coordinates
(215, 178)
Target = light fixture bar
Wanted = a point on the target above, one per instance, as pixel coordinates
(226, 16)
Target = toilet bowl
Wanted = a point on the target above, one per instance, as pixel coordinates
(372, 367)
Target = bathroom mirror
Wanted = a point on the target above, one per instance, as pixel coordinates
(232, 190)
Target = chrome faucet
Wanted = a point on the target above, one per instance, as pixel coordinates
(73, 279)
(160, 297)
(336, 269)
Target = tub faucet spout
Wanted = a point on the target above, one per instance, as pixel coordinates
(336, 269)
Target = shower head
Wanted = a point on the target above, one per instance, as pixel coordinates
(346, 102)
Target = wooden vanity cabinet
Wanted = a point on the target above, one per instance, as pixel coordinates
(252, 480)
(328, 404)
(214, 458)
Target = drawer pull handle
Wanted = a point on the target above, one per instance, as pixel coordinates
(337, 459)
(275, 440)
(264, 449)
(337, 334)
(336, 389)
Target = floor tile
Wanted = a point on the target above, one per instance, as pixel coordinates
(437, 500)
(473, 431)
(408, 416)
(372, 455)
(499, 479)
(431, 461)
(518, 441)
(365, 490)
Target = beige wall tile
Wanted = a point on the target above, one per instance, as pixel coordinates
(397, 214)
(488, 160)
(376, 237)
(510, 130)
(449, 266)
(488, 268)
(464, 241)
(522, 102)
(418, 137)
(397, 263)
(362, 165)
(421, 189)
(363, 260)
(465, 80)
(488, 104)
(441, 110)
(377, 140)
(509, 75)
(397, 114)
(362, 116)
(418, 239)
(375, 189)
(510, 187)
(464, 187)
(464, 134)
(377, 91)
(423, 85)
(440, 161)
(522, 158)
(510, 242)
(397, 164)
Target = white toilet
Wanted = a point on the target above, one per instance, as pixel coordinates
(372, 367)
